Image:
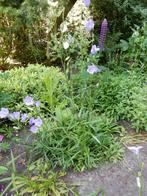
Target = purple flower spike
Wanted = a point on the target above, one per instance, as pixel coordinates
(93, 69)
(37, 104)
(103, 32)
(89, 25)
(4, 112)
(28, 101)
(24, 117)
(34, 129)
(87, 3)
(1, 138)
(94, 50)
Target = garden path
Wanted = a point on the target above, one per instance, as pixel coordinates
(113, 179)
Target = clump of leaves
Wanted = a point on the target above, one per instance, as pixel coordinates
(4, 147)
(5, 99)
(78, 140)
(138, 115)
(38, 180)
(118, 96)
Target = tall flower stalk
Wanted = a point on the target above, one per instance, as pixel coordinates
(103, 32)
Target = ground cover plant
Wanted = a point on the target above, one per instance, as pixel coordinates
(71, 112)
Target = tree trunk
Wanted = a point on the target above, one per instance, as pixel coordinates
(62, 17)
(68, 6)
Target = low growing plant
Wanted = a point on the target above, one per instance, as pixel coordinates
(38, 180)
(77, 140)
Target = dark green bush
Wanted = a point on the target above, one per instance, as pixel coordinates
(135, 49)
(22, 30)
(121, 14)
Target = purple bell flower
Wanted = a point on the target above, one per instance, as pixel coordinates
(4, 112)
(92, 69)
(37, 104)
(28, 101)
(37, 122)
(94, 50)
(87, 3)
(34, 129)
(89, 25)
(31, 121)
(14, 116)
(24, 117)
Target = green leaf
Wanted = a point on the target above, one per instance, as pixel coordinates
(124, 45)
(3, 170)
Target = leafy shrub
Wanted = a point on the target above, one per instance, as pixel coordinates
(134, 51)
(5, 99)
(138, 115)
(77, 140)
(45, 84)
(22, 30)
(78, 48)
(115, 95)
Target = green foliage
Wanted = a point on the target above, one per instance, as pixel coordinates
(6, 129)
(5, 99)
(4, 147)
(138, 115)
(3, 170)
(46, 84)
(134, 51)
(38, 180)
(22, 30)
(78, 48)
(121, 14)
(25, 28)
(77, 140)
(119, 96)
(42, 182)
(114, 92)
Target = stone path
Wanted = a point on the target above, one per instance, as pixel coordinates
(113, 179)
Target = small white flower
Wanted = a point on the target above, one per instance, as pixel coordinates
(135, 149)
(138, 182)
(65, 45)
(64, 28)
